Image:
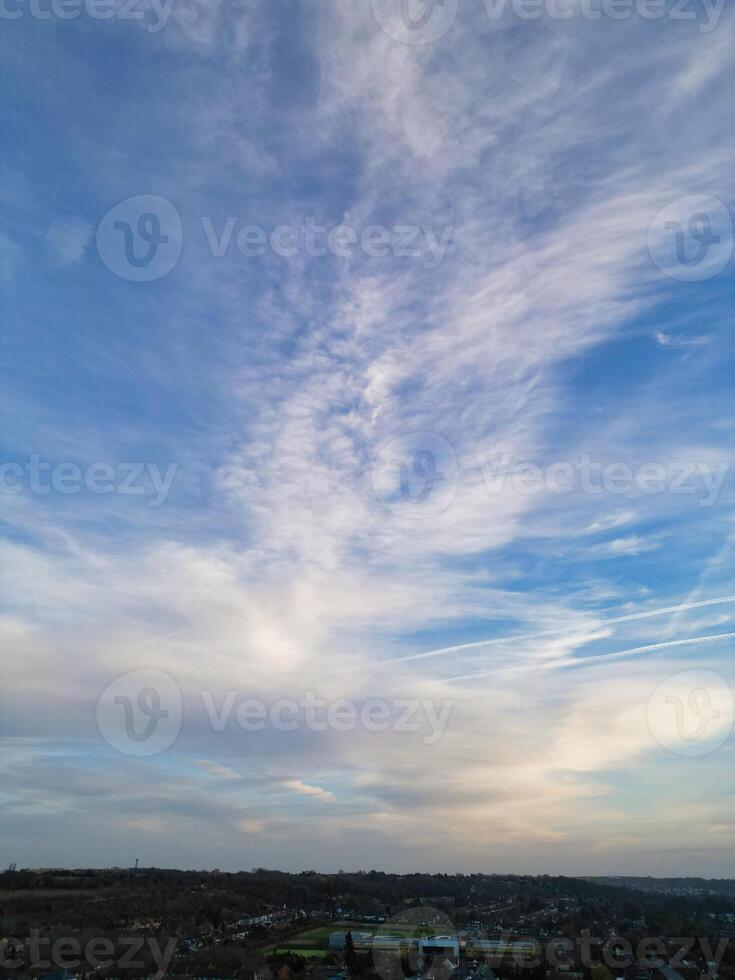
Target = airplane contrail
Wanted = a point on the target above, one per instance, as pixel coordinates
(597, 658)
(682, 607)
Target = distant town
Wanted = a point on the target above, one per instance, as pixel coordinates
(368, 925)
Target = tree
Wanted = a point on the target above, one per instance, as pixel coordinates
(352, 960)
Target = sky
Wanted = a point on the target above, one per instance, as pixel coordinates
(367, 468)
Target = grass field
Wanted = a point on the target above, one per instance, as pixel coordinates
(319, 937)
(314, 943)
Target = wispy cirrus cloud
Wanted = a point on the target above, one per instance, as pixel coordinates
(276, 383)
(679, 340)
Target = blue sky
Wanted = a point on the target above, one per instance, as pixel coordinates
(535, 171)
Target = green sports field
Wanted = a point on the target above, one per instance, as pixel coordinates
(318, 938)
(307, 953)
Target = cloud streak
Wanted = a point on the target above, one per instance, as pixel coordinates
(278, 384)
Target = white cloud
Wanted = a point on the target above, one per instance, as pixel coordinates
(222, 772)
(297, 786)
(679, 340)
(67, 240)
(288, 574)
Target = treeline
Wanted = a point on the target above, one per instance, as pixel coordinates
(193, 897)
